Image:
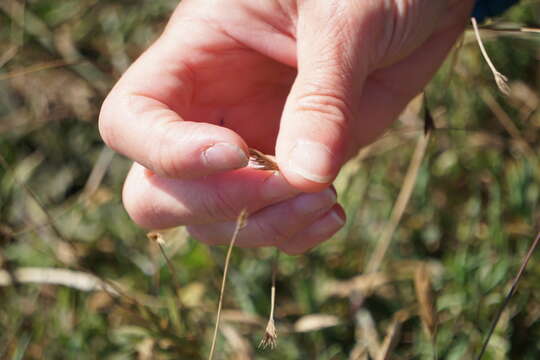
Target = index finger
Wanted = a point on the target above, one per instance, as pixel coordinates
(142, 116)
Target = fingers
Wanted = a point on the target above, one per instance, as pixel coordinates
(142, 118)
(295, 225)
(321, 230)
(157, 202)
(314, 137)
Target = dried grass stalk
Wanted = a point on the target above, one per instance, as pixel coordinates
(510, 294)
(240, 346)
(392, 336)
(399, 207)
(157, 237)
(69, 278)
(260, 161)
(426, 300)
(315, 322)
(240, 224)
(366, 332)
(500, 79)
(269, 339)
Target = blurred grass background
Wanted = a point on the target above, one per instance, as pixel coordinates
(472, 214)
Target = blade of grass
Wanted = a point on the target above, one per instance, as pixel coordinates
(400, 204)
(511, 293)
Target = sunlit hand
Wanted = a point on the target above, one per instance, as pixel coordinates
(310, 80)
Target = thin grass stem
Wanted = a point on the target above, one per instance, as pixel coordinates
(500, 79)
(509, 296)
(240, 223)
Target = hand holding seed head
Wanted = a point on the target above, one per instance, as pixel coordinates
(309, 82)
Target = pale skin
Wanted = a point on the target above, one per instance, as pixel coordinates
(310, 81)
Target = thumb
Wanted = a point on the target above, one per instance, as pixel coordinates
(315, 131)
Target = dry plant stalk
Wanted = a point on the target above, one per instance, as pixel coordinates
(240, 224)
(64, 240)
(510, 294)
(500, 79)
(157, 237)
(367, 333)
(426, 301)
(392, 335)
(73, 279)
(399, 207)
(269, 339)
(259, 161)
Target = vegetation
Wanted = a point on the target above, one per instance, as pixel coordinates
(450, 260)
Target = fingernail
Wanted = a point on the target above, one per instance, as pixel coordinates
(224, 156)
(275, 188)
(313, 161)
(314, 203)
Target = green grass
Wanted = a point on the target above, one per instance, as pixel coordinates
(471, 217)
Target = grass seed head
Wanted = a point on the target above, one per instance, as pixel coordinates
(269, 339)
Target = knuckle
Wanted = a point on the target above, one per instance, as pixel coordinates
(163, 153)
(331, 106)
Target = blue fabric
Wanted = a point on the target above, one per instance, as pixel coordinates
(489, 8)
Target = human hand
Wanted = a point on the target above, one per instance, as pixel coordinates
(311, 81)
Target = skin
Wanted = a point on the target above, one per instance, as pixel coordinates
(310, 81)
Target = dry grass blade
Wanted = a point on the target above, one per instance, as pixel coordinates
(367, 332)
(98, 172)
(530, 30)
(392, 336)
(241, 347)
(7, 55)
(69, 245)
(33, 25)
(35, 68)
(511, 293)
(400, 205)
(359, 352)
(510, 30)
(364, 284)
(315, 322)
(507, 123)
(72, 279)
(426, 300)
(240, 223)
(500, 79)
